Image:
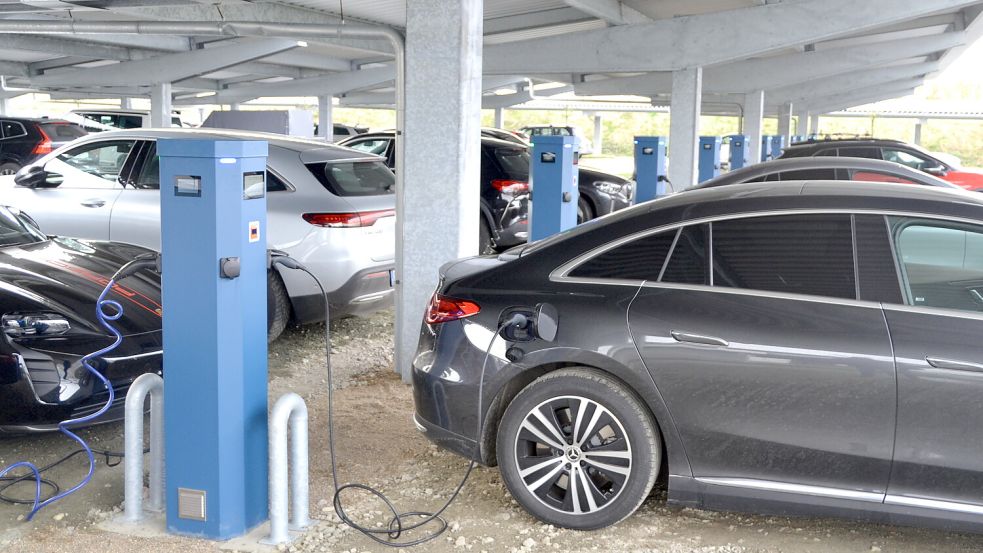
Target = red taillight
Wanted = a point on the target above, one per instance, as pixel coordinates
(510, 186)
(347, 220)
(43, 147)
(444, 309)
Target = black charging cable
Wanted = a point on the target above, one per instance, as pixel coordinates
(8, 482)
(398, 524)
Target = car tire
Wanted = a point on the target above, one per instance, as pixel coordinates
(9, 168)
(277, 305)
(617, 457)
(584, 210)
(485, 244)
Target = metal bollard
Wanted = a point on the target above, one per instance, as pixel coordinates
(133, 439)
(289, 413)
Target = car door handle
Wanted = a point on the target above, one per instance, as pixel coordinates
(698, 339)
(95, 202)
(954, 365)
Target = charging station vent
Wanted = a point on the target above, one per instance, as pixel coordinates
(191, 504)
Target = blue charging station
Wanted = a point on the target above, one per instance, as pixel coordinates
(777, 145)
(766, 142)
(553, 181)
(709, 163)
(651, 172)
(213, 233)
(739, 151)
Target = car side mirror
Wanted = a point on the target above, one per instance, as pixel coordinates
(31, 176)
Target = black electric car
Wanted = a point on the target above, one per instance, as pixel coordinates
(789, 348)
(859, 170)
(48, 292)
(24, 140)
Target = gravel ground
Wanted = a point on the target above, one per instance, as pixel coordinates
(377, 445)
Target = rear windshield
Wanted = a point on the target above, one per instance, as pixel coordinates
(355, 178)
(69, 131)
(514, 162)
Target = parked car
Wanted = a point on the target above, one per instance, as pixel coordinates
(506, 164)
(768, 347)
(827, 168)
(532, 131)
(99, 120)
(508, 136)
(50, 287)
(23, 140)
(342, 132)
(888, 150)
(331, 208)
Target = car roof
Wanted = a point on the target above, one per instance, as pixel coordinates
(822, 162)
(34, 119)
(485, 139)
(858, 141)
(314, 151)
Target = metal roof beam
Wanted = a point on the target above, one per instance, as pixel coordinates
(168, 68)
(707, 39)
(613, 11)
(784, 70)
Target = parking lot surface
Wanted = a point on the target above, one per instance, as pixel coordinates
(378, 445)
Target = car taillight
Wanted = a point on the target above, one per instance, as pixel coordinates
(510, 186)
(443, 309)
(347, 220)
(43, 147)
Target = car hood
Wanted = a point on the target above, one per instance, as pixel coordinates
(66, 276)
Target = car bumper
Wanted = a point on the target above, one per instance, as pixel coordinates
(365, 292)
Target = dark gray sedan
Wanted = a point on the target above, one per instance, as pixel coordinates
(806, 349)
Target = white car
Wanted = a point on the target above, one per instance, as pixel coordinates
(329, 207)
(98, 120)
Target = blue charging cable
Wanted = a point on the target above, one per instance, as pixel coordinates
(102, 305)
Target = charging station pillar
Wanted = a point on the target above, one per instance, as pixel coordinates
(213, 235)
(739, 151)
(777, 146)
(553, 181)
(650, 168)
(709, 158)
(766, 142)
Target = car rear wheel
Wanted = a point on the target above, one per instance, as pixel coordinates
(277, 306)
(485, 244)
(9, 168)
(577, 449)
(584, 211)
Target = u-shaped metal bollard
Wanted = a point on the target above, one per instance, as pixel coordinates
(133, 443)
(289, 413)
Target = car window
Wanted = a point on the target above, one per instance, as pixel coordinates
(688, 261)
(149, 177)
(942, 263)
(355, 178)
(339, 129)
(640, 259)
(796, 254)
(807, 174)
(63, 132)
(514, 162)
(377, 146)
(275, 183)
(910, 159)
(878, 176)
(868, 152)
(100, 159)
(12, 129)
(877, 273)
(829, 152)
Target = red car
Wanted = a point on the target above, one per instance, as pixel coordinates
(889, 150)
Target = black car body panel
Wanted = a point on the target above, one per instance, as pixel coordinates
(21, 137)
(771, 401)
(41, 379)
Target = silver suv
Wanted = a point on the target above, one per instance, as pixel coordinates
(329, 207)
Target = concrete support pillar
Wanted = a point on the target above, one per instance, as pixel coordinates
(754, 111)
(4, 107)
(918, 131)
(325, 118)
(785, 120)
(814, 124)
(802, 123)
(160, 105)
(598, 134)
(684, 125)
(126, 102)
(235, 107)
(443, 156)
(499, 118)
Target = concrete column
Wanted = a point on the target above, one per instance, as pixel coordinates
(499, 118)
(235, 107)
(4, 106)
(126, 102)
(160, 105)
(684, 126)
(802, 123)
(325, 117)
(918, 131)
(754, 111)
(443, 156)
(598, 134)
(785, 120)
(814, 124)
